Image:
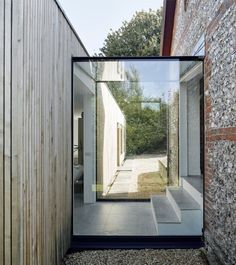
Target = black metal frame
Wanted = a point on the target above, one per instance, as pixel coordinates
(135, 242)
(109, 58)
(131, 242)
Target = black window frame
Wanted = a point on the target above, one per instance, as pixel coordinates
(85, 242)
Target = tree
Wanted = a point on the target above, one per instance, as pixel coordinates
(146, 127)
(138, 37)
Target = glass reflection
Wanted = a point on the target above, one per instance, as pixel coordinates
(137, 147)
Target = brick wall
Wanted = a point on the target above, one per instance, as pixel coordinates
(216, 20)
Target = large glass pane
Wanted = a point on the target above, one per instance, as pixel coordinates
(137, 147)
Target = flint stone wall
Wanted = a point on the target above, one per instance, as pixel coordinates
(216, 20)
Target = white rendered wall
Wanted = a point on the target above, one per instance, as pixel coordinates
(193, 128)
(109, 114)
(89, 149)
(189, 129)
(84, 101)
(113, 71)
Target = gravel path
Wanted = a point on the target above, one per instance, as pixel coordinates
(137, 257)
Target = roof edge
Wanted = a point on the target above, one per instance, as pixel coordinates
(167, 27)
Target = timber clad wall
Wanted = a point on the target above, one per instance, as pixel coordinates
(216, 19)
(36, 46)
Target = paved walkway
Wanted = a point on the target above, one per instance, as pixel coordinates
(128, 174)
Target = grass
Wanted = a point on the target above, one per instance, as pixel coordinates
(150, 183)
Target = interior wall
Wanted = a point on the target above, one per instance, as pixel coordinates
(183, 130)
(85, 105)
(109, 115)
(36, 47)
(81, 141)
(76, 137)
(189, 129)
(89, 149)
(193, 125)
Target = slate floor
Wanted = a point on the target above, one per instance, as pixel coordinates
(113, 218)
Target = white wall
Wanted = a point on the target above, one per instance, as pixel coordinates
(113, 71)
(193, 129)
(108, 115)
(76, 133)
(189, 128)
(89, 149)
(183, 130)
(84, 101)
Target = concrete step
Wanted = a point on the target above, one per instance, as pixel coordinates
(194, 186)
(163, 210)
(177, 213)
(181, 200)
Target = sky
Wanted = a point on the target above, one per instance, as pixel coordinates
(93, 19)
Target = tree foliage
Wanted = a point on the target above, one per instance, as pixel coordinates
(145, 126)
(146, 130)
(138, 37)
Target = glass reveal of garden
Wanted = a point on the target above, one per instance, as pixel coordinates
(137, 138)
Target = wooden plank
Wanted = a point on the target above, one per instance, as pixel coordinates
(42, 227)
(29, 144)
(24, 142)
(33, 126)
(2, 66)
(56, 173)
(50, 205)
(7, 133)
(60, 154)
(38, 133)
(17, 125)
(47, 203)
(27, 135)
(43, 134)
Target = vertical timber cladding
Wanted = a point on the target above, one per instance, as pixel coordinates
(5, 134)
(220, 119)
(36, 46)
(2, 70)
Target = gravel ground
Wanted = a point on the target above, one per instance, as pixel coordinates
(137, 257)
